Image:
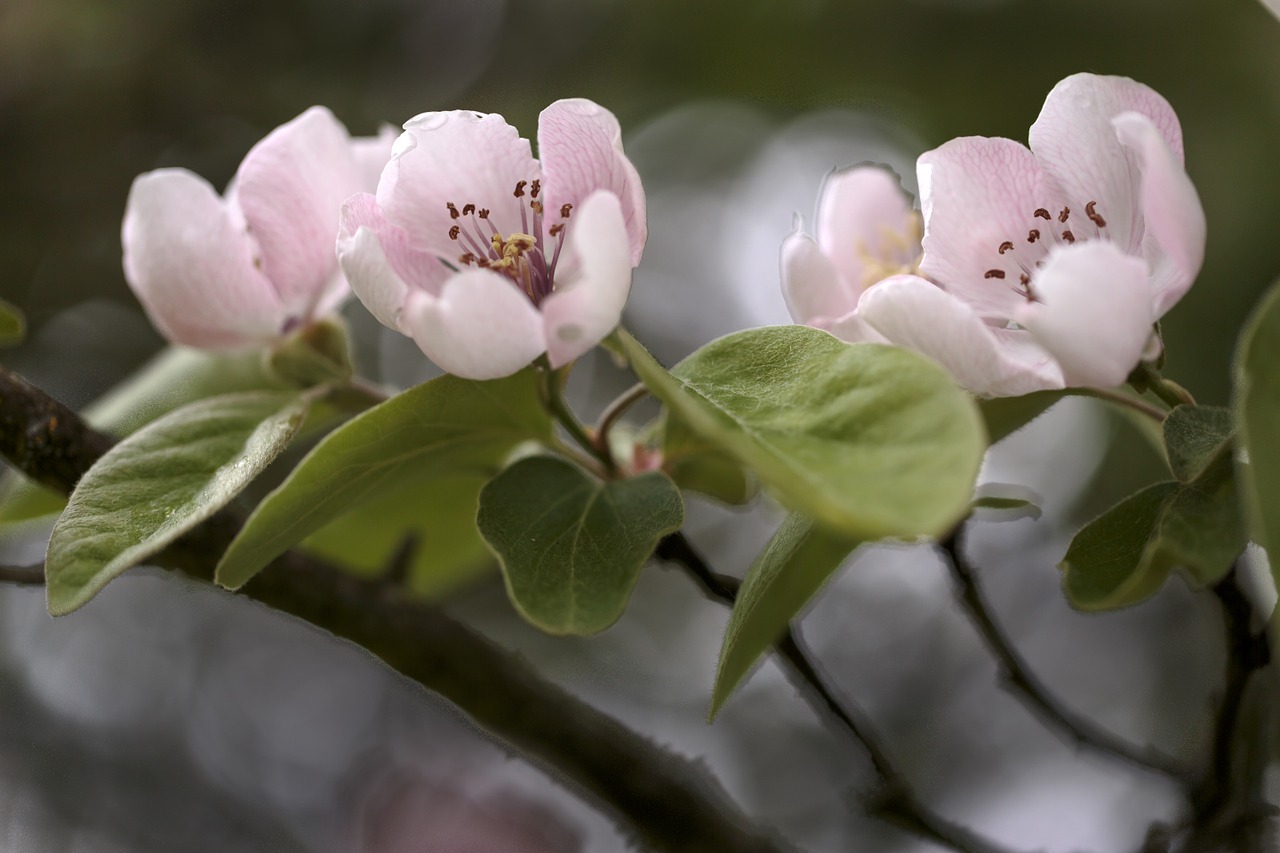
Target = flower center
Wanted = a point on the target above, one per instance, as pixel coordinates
(897, 254)
(1047, 231)
(526, 257)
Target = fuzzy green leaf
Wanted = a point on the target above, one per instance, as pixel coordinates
(796, 563)
(1257, 410)
(1195, 437)
(870, 440)
(571, 546)
(444, 427)
(161, 482)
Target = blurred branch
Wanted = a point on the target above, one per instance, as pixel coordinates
(1216, 816)
(894, 801)
(22, 575)
(666, 801)
(1031, 691)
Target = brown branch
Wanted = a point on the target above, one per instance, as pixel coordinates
(664, 800)
(1028, 688)
(893, 801)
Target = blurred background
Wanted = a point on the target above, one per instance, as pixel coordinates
(167, 717)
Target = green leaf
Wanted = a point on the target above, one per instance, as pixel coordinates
(1126, 554)
(1006, 415)
(1195, 437)
(174, 378)
(798, 560)
(443, 427)
(571, 546)
(13, 326)
(1257, 409)
(159, 483)
(440, 515)
(1005, 502)
(1104, 567)
(868, 439)
(697, 465)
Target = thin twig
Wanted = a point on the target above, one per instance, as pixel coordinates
(1027, 687)
(894, 801)
(616, 410)
(662, 799)
(1119, 398)
(553, 399)
(22, 575)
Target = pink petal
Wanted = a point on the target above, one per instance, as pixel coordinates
(416, 268)
(481, 326)
(1170, 208)
(372, 154)
(1076, 145)
(1094, 312)
(862, 211)
(580, 145)
(588, 301)
(813, 289)
(291, 186)
(851, 328)
(459, 157)
(193, 266)
(977, 193)
(920, 316)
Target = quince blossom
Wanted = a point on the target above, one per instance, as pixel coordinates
(489, 258)
(221, 272)
(1045, 267)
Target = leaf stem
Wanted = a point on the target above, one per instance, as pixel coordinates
(1120, 398)
(553, 382)
(615, 410)
(1018, 676)
(893, 801)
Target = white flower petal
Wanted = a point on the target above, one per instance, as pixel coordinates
(290, 187)
(920, 316)
(193, 267)
(580, 146)
(1094, 312)
(863, 211)
(455, 157)
(1170, 208)
(480, 327)
(1076, 146)
(589, 298)
(814, 291)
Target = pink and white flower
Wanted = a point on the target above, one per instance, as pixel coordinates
(222, 272)
(1047, 267)
(489, 258)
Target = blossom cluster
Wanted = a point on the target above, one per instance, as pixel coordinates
(1026, 268)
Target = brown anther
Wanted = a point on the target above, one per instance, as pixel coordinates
(556, 229)
(1005, 246)
(520, 185)
(1068, 236)
(994, 274)
(454, 232)
(535, 188)
(483, 213)
(565, 210)
(1024, 279)
(453, 210)
(537, 206)
(1094, 216)
(1062, 217)
(1042, 213)
(468, 209)
(467, 260)
(1033, 235)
